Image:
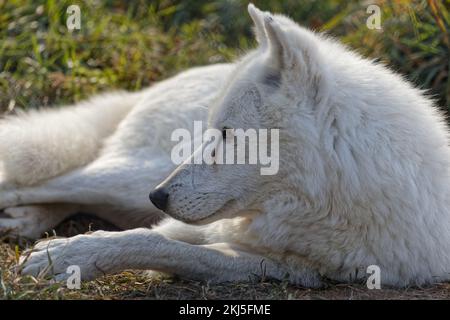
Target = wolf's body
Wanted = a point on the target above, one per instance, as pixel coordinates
(104, 155)
(364, 172)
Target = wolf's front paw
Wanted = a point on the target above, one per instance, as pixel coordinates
(28, 222)
(53, 257)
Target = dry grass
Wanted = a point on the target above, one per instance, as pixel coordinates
(136, 285)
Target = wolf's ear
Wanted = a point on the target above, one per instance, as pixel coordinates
(295, 51)
(291, 50)
(278, 43)
(258, 19)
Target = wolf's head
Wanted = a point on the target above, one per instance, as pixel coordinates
(281, 85)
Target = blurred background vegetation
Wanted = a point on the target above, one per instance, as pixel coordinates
(130, 44)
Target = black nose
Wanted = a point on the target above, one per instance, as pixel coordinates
(159, 198)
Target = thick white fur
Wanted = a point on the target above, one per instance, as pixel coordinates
(364, 174)
(51, 143)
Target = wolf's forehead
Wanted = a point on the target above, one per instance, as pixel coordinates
(239, 104)
(248, 97)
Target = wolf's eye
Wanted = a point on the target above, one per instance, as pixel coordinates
(224, 132)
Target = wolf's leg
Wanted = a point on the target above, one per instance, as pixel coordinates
(120, 184)
(32, 221)
(113, 181)
(180, 231)
(110, 252)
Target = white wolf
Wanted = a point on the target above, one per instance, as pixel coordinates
(363, 176)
